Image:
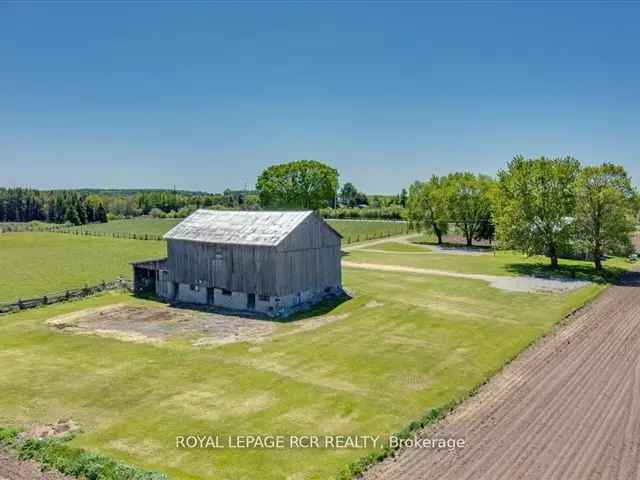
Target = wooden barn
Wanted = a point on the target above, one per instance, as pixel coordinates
(269, 262)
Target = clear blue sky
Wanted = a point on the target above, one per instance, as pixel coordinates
(205, 95)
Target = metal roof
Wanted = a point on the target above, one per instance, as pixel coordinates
(237, 227)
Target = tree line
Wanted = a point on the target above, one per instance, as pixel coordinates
(543, 206)
(25, 205)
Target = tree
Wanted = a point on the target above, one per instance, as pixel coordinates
(402, 198)
(361, 199)
(427, 206)
(101, 214)
(606, 206)
(71, 215)
(468, 202)
(348, 194)
(306, 184)
(535, 203)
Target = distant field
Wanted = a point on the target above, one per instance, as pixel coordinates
(32, 264)
(139, 226)
(351, 230)
(360, 230)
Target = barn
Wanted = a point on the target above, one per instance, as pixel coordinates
(268, 262)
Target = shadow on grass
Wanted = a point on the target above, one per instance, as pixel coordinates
(323, 308)
(456, 246)
(610, 274)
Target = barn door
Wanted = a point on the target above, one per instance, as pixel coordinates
(219, 270)
(251, 301)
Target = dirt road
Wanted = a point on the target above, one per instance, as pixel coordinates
(568, 408)
(502, 282)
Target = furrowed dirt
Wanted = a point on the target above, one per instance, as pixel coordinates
(567, 408)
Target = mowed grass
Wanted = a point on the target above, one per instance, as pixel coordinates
(500, 262)
(138, 226)
(351, 230)
(33, 264)
(404, 344)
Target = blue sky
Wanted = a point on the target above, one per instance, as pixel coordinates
(205, 95)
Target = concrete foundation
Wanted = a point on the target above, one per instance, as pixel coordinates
(272, 306)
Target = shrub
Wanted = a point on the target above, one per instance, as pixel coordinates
(57, 454)
(157, 213)
(385, 213)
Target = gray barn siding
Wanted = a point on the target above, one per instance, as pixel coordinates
(241, 268)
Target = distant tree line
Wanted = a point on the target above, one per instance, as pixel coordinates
(25, 205)
(79, 207)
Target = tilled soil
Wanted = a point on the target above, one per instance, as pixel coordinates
(567, 408)
(13, 469)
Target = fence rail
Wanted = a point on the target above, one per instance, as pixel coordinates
(63, 296)
(77, 231)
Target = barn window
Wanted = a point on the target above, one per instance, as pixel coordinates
(194, 288)
(226, 292)
(263, 298)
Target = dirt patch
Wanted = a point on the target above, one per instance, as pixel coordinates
(566, 408)
(512, 284)
(59, 429)
(373, 304)
(13, 469)
(152, 324)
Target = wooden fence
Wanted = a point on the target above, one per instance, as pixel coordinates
(77, 231)
(63, 296)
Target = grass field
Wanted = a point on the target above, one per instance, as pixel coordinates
(33, 264)
(404, 344)
(351, 230)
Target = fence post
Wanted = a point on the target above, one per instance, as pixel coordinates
(20, 304)
(66, 295)
(45, 300)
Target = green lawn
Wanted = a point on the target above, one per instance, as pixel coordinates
(139, 226)
(351, 230)
(33, 264)
(407, 343)
(500, 262)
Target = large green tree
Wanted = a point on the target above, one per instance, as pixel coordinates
(305, 184)
(427, 206)
(348, 194)
(606, 206)
(469, 202)
(535, 204)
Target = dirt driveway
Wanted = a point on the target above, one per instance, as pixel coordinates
(502, 282)
(568, 408)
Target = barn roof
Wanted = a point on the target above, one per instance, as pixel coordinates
(237, 227)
